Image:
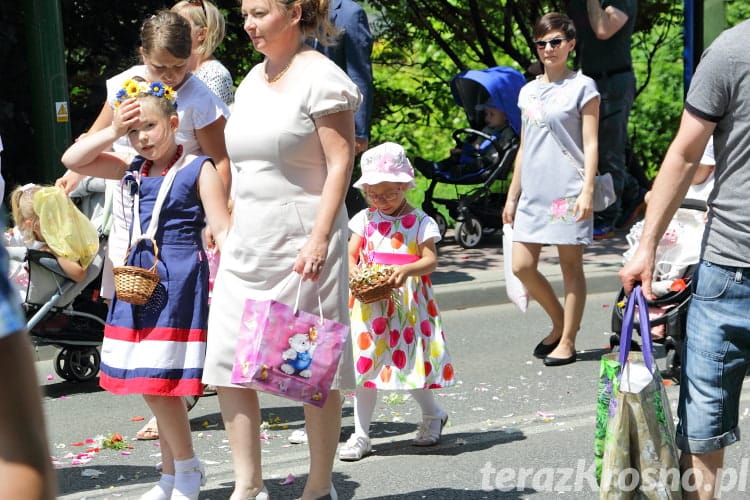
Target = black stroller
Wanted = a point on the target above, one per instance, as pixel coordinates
(63, 313)
(677, 256)
(60, 312)
(480, 209)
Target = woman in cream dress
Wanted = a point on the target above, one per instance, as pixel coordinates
(291, 140)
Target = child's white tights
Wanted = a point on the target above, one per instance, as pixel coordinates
(367, 398)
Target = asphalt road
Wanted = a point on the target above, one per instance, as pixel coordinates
(516, 430)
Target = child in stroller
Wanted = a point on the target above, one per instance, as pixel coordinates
(26, 208)
(677, 255)
(62, 259)
(481, 156)
(479, 151)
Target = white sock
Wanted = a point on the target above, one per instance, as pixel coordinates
(162, 490)
(429, 406)
(364, 406)
(188, 479)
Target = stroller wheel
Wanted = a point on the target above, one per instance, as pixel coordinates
(614, 342)
(441, 222)
(62, 367)
(468, 232)
(83, 364)
(672, 363)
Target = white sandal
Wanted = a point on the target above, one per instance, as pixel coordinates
(426, 435)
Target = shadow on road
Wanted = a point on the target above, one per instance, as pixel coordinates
(69, 479)
(452, 494)
(65, 388)
(452, 444)
(347, 489)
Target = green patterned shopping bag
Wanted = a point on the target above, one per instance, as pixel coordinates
(634, 447)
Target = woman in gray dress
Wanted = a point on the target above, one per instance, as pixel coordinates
(550, 199)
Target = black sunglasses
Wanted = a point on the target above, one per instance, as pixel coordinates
(554, 43)
(198, 3)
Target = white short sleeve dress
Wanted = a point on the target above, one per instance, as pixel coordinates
(280, 171)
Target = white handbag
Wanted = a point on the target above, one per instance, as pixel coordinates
(604, 191)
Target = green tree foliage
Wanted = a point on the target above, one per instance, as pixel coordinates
(92, 58)
(423, 44)
(101, 39)
(737, 10)
(420, 46)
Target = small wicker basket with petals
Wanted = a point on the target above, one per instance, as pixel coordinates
(134, 284)
(371, 285)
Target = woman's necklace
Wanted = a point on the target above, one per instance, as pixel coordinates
(280, 73)
(150, 163)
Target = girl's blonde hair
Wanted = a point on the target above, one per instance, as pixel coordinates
(204, 15)
(22, 210)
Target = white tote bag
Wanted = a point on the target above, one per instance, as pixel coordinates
(516, 291)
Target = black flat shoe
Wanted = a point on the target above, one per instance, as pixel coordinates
(548, 361)
(542, 350)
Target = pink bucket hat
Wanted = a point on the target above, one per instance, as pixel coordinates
(385, 163)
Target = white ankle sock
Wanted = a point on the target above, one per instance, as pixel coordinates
(162, 490)
(364, 406)
(188, 479)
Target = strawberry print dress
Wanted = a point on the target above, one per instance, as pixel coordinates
(399, 343)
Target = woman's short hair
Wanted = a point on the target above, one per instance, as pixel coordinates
(554, 21)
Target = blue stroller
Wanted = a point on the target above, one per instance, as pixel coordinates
(480, 158)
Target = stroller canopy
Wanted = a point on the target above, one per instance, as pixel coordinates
(474, 88)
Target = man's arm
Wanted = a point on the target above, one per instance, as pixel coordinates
(669, 189)
(605, 22)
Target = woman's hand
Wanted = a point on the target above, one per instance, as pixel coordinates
(584, 206)
(311, 259)
(509, 212)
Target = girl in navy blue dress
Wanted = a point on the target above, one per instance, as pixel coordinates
(158, 349)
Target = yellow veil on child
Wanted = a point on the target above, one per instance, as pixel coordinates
(65, 229)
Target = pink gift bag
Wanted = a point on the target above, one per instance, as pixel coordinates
(287, 352)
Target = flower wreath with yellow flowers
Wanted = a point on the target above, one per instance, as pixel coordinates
(140, 88)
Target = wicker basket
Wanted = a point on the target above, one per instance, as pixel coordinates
(372, 286)
(134, 284)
